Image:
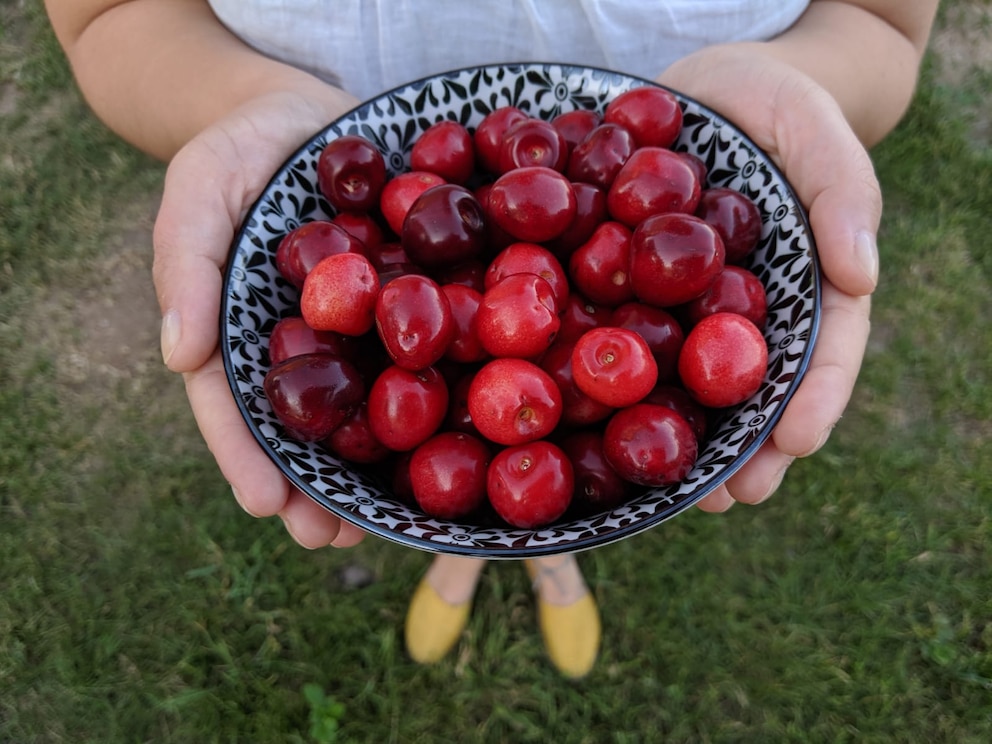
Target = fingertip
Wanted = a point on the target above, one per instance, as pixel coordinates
(308, 523)
(716, 502)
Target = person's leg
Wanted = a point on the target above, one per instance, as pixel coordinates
(567, 613)
(440, 606)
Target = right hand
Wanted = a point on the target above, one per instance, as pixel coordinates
(209, 186)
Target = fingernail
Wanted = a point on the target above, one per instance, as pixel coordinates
(866, 254)
(170, 334)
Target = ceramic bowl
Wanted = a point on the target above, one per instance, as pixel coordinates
(255, 297)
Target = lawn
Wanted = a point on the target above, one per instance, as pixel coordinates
(139, 604)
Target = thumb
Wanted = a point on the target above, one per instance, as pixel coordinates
(192, 236)
(833, 176)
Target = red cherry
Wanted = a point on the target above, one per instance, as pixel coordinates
(362, 225)
(697, 165)
(518, 317)
(735, 290)
(614, 366)
(291, 336)
(351, 173)
(401, 191)
(676, 398)
(533, 204)
(674, 258)
(529, 258)
(312, 394)
(581, 315)
(574, 126)
(469, 274)
(488, 136)
(735, 216)
(413, 320)
(723, 360)
(406, 408)
(651, 114)
(590, 210)
(660, 330)
(599, 157)
(445, 225)
(448, 474)
(531, 142)
(652, 181)
(305, 246)
(578, 409)
(445, 148)
(650, 445)
(530, 485)
(600, 267)
(387, 253)
(465, 346)
(339, 294)
(598, 487)
(512, 401)
(354, 441)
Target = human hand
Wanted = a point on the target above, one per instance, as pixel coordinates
(804, 131)
(209, 186)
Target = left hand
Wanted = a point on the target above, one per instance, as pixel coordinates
(800, 126)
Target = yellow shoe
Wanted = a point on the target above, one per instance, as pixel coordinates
(571, 632)
(432, 625)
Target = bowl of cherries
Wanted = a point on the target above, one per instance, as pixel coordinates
(515, 310)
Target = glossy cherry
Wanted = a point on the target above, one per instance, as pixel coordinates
(723, 360)
(650, 445)
(513, 401)
(651, 114)
(674, 258)
(305, 246)
(413, 320)
(351, 173)
(652, 181)
(614, 366)
(532, 204)
(312, 394)
(448, 474)
(406, 408)
(445, 225)
(735, 216)
(530, 485)
(339, 294)
(445, 148)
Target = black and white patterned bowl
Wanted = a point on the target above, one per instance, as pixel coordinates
(255, 298)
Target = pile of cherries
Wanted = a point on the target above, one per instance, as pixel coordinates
(539, 315)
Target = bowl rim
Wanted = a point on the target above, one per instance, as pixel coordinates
(580, 544)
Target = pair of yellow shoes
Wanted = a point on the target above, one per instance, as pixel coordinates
(571, 632)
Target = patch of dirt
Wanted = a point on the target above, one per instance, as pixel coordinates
(110, 330)
(962, 46)
(963, 42)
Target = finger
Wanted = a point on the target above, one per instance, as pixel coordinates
(718, 501)
(760, 476)
(310, 524)
(259, 486)
(828, 383)
(192, 237)
(833, 176)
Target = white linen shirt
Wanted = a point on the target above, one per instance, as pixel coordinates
(369, 46)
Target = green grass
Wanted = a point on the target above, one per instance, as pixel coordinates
(138, 604)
